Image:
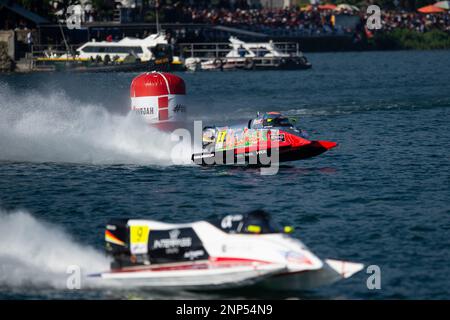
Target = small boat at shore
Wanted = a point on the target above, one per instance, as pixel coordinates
(151, 47)
(251, 56)
(231, 252)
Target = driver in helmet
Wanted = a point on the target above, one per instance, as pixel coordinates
(276, 119)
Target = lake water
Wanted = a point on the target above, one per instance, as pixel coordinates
(71, 157)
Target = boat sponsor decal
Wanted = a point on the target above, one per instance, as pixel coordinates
(297, 258)
(174, 245)
(194, 254)
(251, 154)
(173, 241)
(278, 137)
(139, 239)
(227, 221)
(240, 138)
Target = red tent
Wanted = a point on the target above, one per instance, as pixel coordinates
(327, 6)
(430, 9)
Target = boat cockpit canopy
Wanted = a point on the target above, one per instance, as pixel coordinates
(254, 222)
(272, 120)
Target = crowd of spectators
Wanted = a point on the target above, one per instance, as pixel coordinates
(288, 21)
(295, 20)
(415, 21)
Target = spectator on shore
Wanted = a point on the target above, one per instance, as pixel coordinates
(30, 40)
(241, 51)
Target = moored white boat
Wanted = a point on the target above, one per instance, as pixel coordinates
(145, 49)
(256, 55)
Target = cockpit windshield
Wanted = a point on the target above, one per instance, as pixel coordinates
(254, 222)
(277, 120)
(272, 120)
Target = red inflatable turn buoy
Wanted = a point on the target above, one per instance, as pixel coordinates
(159, 97)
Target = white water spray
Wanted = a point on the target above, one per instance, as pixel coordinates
(37, 254)
(38, 128)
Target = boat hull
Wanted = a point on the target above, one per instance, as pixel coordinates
(194, 276)
(263, 157)
(274, 277)
(331, 272)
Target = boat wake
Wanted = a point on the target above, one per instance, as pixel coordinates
(35, 254)
(54, 128)
(38, 258)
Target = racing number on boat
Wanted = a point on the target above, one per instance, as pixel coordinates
(139, 239)
(222, 135)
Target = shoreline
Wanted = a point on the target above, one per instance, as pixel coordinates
(396, 40)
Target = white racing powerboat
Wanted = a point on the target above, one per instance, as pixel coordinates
(232, 252)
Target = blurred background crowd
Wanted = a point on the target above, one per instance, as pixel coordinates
(418, 24)
(259, 15)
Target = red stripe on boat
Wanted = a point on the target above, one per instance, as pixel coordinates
(236, 260)
(213, 262)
